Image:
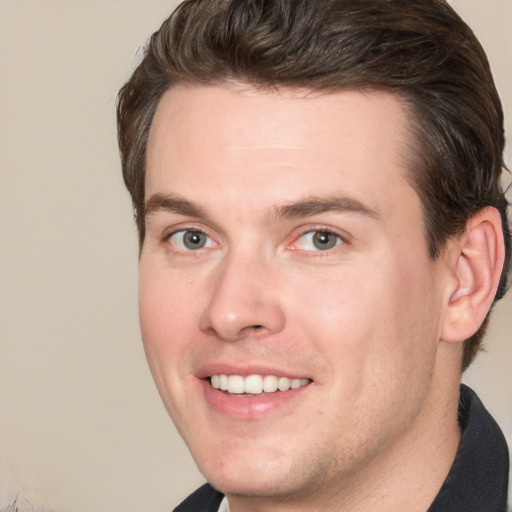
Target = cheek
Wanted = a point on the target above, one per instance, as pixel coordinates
(338, 310)
(368, 320)
(167, 319)
(167, 316)
(336, 314)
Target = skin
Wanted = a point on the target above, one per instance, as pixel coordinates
(375, 429)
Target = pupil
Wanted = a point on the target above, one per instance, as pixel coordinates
(194, 240)
(324, 241)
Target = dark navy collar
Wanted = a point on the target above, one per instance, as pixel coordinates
(478, 478)
(204, 499)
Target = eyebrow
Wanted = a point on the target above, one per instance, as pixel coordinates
(296, 209)
(317, 205)
(172, 204)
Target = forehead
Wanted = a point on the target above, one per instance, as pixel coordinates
(238, 138)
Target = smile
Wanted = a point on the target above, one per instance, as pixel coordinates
(255, 384)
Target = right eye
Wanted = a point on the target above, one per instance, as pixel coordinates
(190, 240)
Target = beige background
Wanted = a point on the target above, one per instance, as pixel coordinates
(81, 426)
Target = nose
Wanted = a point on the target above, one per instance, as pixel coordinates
(243, 300)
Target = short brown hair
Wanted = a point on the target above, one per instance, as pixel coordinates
(418, 49)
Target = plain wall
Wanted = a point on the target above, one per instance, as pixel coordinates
(82, 428)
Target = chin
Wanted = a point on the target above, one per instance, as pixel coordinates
(253, 485)
(249, 474)
(275, 474)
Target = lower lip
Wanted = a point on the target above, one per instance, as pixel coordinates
(250, 407)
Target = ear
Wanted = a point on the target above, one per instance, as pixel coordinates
(476, 260)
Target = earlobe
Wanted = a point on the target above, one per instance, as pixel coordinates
(477, 259)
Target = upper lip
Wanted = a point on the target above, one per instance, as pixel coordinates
(220, 368)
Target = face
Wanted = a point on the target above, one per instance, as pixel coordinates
(289, 310)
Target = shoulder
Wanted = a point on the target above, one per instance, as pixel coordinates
(204, 499)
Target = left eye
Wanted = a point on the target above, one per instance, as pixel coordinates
(190, 240)
(318, 241)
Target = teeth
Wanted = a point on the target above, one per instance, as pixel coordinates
(223, 382)
(255, 384)
(269, 383)
(236, 384)
(283, 384)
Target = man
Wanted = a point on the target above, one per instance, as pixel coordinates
(322, 235)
